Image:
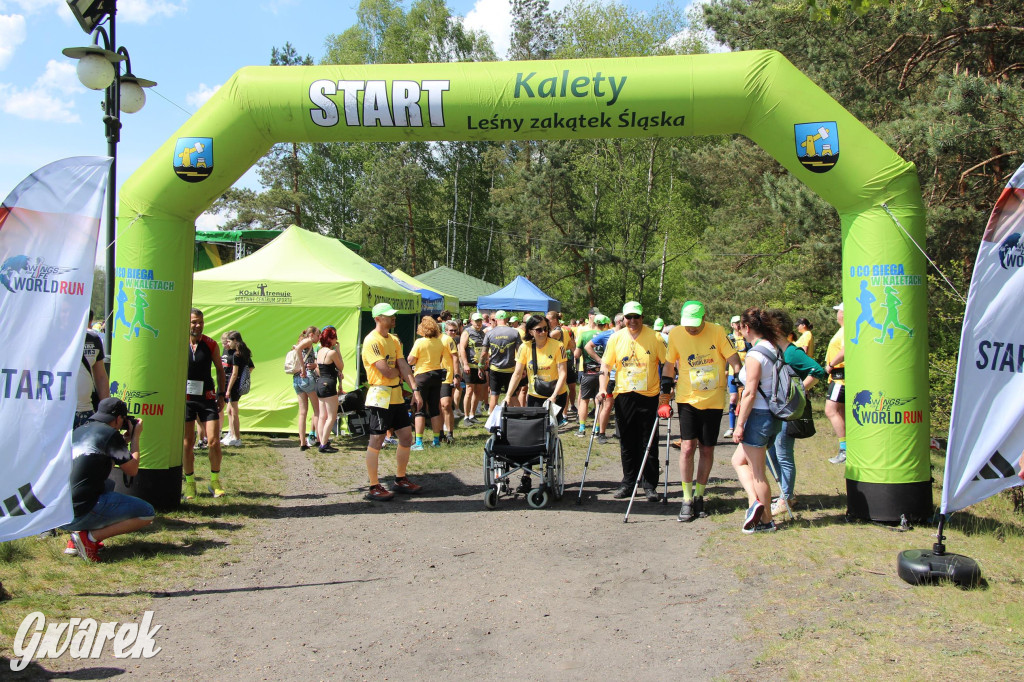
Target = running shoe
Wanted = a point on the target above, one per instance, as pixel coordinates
(202, 444)
(216, 492)
(417, 446)
(379, 493)
(87, 549)
(698, 507)
(524, 486)
(686, 511)
(448, 439)
(727, 434)
(753, 517)
(622, 492)
(190, 490)
(581, 432)
(390, 441)
(71, 550)
(782, 506)
(458, 413)
(602, 439)
(838, 459)
(769, 527)
(405, 486)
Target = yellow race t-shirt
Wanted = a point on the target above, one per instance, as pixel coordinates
(548, 359)
(806, 341)
(701, 379)
(835, 346)
(429, 354)
(635, 361)
(388, 348)
(446, 358)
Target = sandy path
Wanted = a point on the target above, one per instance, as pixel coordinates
(339, 588)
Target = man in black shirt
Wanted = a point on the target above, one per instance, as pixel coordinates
(101, 513)
(202, 403)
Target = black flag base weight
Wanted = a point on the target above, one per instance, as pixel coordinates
(922, 566)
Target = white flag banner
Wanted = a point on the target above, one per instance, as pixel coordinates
(49, 226)
(986, 430)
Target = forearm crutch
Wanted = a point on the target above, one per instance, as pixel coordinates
(643, 464)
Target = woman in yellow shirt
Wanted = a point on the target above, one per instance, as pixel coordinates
(428, 358)
(806, 339)
(545, 376)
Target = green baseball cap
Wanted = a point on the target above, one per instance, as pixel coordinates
(659, 324)
(513, 319)
(735, 319)
(500, 315)
(476, 316)
(693, 314)
(603, 319)
(383, 310)
(632, 308)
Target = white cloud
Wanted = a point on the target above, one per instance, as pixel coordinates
(12, 34)
(48, 99)
(211, 221)
(141, 11)
(494, 17)
(198, 98)
(30, 6)
(60, 76)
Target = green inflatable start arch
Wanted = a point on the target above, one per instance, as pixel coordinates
(757, 94)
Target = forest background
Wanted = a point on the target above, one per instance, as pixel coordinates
(599, 222)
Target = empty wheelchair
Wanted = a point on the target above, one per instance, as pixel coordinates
(525, 442)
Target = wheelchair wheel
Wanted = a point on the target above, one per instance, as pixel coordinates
(491, 498)
(538, 499)
(558, 485)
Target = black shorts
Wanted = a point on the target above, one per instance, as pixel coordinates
(203, 409)
(836, 392)
(233, 395)
(326, 387)
(570, 374)
(589, 385)
(473, 377)
(429, 384)
(498, 381)
(395, 418)
(446, 390)
(699, 425)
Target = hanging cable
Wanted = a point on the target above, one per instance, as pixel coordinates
(896, 220)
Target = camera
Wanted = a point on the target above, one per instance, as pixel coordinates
(132, 420)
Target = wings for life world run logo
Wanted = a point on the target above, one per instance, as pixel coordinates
(193, 158)
(23, 273)
(875, 408)
(262, 293)
(817, 145)
(1011, 252)
(136, 400)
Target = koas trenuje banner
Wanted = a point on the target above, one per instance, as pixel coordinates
(986, 430)
(48, 231)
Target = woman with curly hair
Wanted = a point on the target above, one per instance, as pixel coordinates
(756, 426)
(427, 358)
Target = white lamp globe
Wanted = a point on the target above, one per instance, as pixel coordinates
(95, 72)
(133, 97)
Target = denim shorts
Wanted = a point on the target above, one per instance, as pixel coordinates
(307, 385)
(760, 428)
(111, 508)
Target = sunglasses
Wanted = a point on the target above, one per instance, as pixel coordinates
(543, 330)
(632, 317)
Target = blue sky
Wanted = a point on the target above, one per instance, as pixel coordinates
(190, 47)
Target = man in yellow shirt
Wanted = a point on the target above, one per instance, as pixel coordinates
(835, 399)
(634, 354)
(386, 367)
(703, 353)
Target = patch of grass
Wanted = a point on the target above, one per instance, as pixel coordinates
(172, 553)
(834, 601)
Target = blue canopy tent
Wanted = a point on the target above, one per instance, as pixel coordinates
(520, 295)
(432, 302)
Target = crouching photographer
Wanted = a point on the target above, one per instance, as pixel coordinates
(110, 437)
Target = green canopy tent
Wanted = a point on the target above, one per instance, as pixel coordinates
(219, 247)
(460, 285)
(451, 303)
(297, 280)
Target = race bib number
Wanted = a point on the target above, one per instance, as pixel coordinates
(193, 387)
(632, 379)
(379, 396)
(704, 378)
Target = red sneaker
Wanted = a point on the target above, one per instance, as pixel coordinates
(379, 493)
(87, 549)
(71, 550)
(405, 486)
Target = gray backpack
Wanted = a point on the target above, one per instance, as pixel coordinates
(788, 398)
